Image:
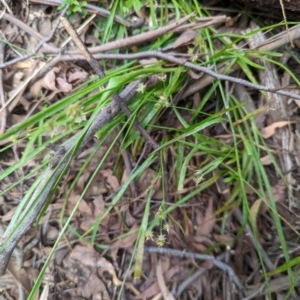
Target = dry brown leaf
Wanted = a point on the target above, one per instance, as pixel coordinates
(63, 86)
(254, 210)
(16, 119)
(111, 179)
(51, 235)
(45, 26)
(80, 185)
(125, 242)
(226, 239)
(265, 160)
(88, 256)
(297, 102)
(36, 88)
(26, 104)
(148, 62)
(161, 282)
(48, 81)
(82, 259)
(8, 215)
(26, 64)
(20, 275)
(278, 192)
(84, 208)
(93, 287)
(16, 82)
(270, 130)
(77, 75)
(206, 225)
(154, 288)
(184, 38)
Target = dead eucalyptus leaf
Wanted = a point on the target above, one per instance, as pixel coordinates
(270, 130)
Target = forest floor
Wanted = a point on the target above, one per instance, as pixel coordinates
(169, 171)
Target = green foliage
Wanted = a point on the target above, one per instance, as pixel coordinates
(75, 7)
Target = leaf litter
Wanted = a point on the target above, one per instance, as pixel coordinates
(104, 269)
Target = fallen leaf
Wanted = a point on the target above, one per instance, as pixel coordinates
(265, 160)
(111, 179)
(148, 62)
(88, 256)
(77, 76)
(124, 242)
(154, 288)
(254, 211)
(63, 86)
(270, 130)
(161, 282)
(205, 227)
(186, 37)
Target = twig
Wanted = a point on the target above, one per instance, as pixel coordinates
(285, 21)
(183, 62)
(96, 67)
(219, 264)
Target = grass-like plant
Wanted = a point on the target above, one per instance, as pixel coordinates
(201, 158)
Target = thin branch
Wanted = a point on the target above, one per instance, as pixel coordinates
(183, 62)
(219, 264)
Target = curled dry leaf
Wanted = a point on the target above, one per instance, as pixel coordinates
(270, 130)
(59, 79)
(47, 82)
(63, 85)
(76, 75)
